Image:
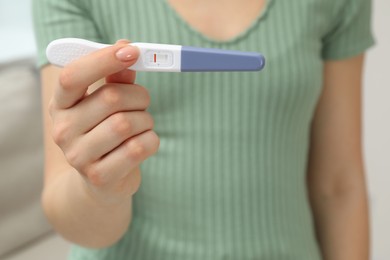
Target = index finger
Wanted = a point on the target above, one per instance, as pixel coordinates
(76, 77)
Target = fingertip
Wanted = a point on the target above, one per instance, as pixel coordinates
(127, 53)
(122, 41)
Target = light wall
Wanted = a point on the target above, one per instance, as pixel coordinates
(16, 33)
(377, 130)
(17, 41)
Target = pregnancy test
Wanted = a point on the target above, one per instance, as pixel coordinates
(162, 57)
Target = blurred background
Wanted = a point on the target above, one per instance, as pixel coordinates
(24, 232)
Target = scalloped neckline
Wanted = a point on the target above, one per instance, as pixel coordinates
(262, 14)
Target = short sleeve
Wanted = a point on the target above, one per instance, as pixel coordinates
(351, 33)
(55, 19)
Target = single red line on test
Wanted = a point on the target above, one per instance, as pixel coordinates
(155, 58)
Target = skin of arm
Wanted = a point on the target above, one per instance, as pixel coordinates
(90, 176)
(336, 180)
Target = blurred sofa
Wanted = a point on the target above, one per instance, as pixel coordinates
(24, 231)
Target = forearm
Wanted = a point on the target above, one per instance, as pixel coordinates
(341, 219)
(80, 218)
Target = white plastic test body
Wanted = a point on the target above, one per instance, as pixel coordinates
(162, 57)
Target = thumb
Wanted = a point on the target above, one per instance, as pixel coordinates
(123, 76)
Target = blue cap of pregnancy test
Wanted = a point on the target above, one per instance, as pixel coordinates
(209, 59)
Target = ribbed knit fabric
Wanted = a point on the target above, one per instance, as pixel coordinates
(229, 179)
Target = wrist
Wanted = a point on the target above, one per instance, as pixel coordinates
(102, 198)
(81, 218)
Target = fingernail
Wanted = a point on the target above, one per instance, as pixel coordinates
(127, 53)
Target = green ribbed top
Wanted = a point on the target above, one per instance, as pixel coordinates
(229, 179)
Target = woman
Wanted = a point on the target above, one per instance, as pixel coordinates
(250, 165)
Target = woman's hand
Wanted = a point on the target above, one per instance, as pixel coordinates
(104, 135)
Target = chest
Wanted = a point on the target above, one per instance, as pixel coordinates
(220, 19)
